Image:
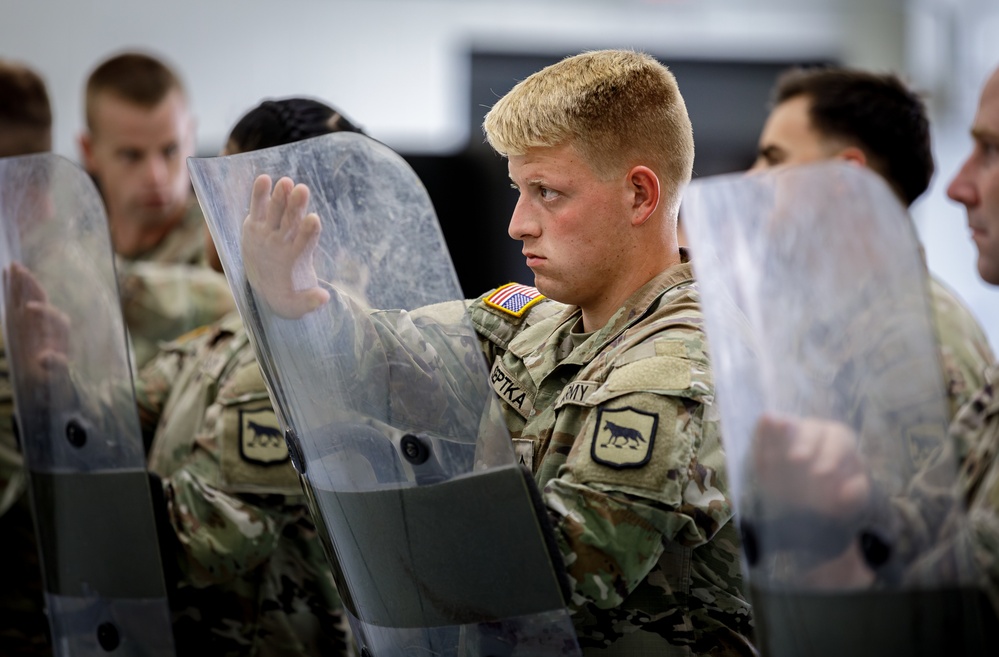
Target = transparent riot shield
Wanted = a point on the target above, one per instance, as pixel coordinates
(78, 424)
(816, 308)
(437, 537)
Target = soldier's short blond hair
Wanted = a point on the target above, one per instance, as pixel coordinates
(620, 108)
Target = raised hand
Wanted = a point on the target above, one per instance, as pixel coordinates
(39, 331)
(279, 241)
(811, 465)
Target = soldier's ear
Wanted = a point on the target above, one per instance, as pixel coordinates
(644, 186)
(86, 143)
(853, 155)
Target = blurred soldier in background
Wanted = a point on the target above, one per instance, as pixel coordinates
(139, 135)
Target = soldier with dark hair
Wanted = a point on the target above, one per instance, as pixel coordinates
(874, 120)
(933, 539)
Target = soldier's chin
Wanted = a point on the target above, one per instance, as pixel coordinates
(988, 269)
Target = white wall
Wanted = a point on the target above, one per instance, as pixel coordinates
(396, 66)
(399, 67)
(951, 50)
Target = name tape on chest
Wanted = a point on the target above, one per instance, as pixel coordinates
(576, 392)
(623, 437)
(510, 391)
(514, 299)
(260, 438)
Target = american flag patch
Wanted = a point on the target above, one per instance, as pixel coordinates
(514, 299)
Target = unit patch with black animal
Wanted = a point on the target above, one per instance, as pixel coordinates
(260, 438)
(623, 437)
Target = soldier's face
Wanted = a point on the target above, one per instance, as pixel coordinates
(788, 137)
(976, 185)
(139, 157)
(571, 223)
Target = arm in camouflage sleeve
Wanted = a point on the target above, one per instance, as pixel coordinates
(613, 525)
(161, 301)
(153, 386)
(946, 524)
(223, 536)
(171, 299)
(226, 510)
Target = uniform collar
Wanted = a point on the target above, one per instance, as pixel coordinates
(631, 312)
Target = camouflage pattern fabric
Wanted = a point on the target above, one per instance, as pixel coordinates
(251, 575)
(964, 348)
(185, 244)
(617, 427)
(23, 626)
(943, 533)
(976, 436)
(169, 289)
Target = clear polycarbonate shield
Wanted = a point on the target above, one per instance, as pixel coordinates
(76, 414)
(432, 529)
(815, 299)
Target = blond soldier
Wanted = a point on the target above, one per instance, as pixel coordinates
(601, 368)
(139, 135)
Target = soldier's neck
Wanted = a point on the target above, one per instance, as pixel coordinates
(131, 238)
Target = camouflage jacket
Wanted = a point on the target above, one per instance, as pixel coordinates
(964, 348)
(253, 579)
(23, 626)
(169, 290)
(619, 430)
(617, 427)
(976, 431)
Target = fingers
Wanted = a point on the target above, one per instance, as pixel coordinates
(23, 286)
(278, 203)
(308, 232)
(258, 199)
(812, 464)
(298, 202)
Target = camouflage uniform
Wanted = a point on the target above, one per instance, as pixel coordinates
(964, 348)
(23, 626)
(159, 301)
(976, 433)
(251, 575)
(169, 289)
(617, 427)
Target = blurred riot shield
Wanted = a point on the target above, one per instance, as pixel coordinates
(78, 424)
(816, 306)
(438, 539)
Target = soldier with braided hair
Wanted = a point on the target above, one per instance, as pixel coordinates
(250, 577)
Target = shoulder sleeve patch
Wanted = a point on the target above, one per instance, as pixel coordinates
(623, 437)
(255, 455)
(513, 299)
(260, 438)
(635, 444)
